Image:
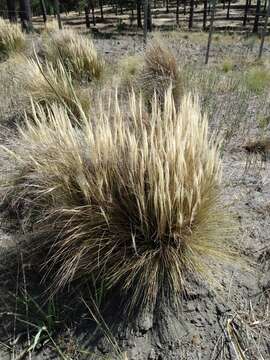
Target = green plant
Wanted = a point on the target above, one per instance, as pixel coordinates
(129, 199)
(12, 38)
(76, 52)
(227, 66)
(257, 79)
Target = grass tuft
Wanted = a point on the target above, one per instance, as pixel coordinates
(133, 204)
(47, 84)
(257, 79)
(12, 38)
(160, 71)
(77, 53)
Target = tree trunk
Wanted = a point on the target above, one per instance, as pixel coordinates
(167, 6)
(145, 21)
(57, 12)
(264, 29)
(26, 15)
(149, 17)
(43, 10)
(257, 16)
(139, 14)
(245, 13)
(211, 28)
(229, 8)
(87, 19)
(177, 12)
(204, 14)
(101, 9)
(190, 22)
(11, 6)
(185, 7)
(92, 6)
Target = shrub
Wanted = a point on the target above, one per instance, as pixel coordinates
(47, 84)
(257, 79)
(77, 53)
(131, 203)
(11, 37)
(160, 71)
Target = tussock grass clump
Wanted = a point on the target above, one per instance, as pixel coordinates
(77, 53)
(160, 71)
(133, 204)
(48, 83)
(129, 68)
(12, 39)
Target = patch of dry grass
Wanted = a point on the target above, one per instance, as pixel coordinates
(12, 39)
(47, 83)
(77, 53)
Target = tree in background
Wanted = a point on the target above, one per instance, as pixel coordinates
(11, 6)
(26, 15)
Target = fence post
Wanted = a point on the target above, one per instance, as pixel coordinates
(211, 28)
(264, 29)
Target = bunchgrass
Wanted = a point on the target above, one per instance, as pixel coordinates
(48, 83)
(127, 199)
(257, 79)
(160, 71)
(12, 38)
(76, 52)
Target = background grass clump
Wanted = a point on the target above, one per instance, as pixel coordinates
(48, 83)
(12, 38)
(77, 53)
(129, 201)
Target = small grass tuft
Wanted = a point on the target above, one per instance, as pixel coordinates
(76, 52)
(160, 71)
(12, 38)
(48, 83)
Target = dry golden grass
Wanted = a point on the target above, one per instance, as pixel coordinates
(47, 83)
(133, 204)
(77, 53)
(12, 38)
(160, 71)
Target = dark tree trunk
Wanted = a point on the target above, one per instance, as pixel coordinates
(11, 6)
(190, 22)
(245, 13)
(185, 7)
(224, 3)
(26, 15)
(101, 10)
(167, 6)
(43, 10)
(264, 29)
(57, 12)
(211, 29)
(92, 6)
(149, 17)
(204, 14)
(145, 20)
(257, 16)
(177, 12)
(87, 19)
(139, 14)
(228, 9)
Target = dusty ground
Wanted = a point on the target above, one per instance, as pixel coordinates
(227, 322)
